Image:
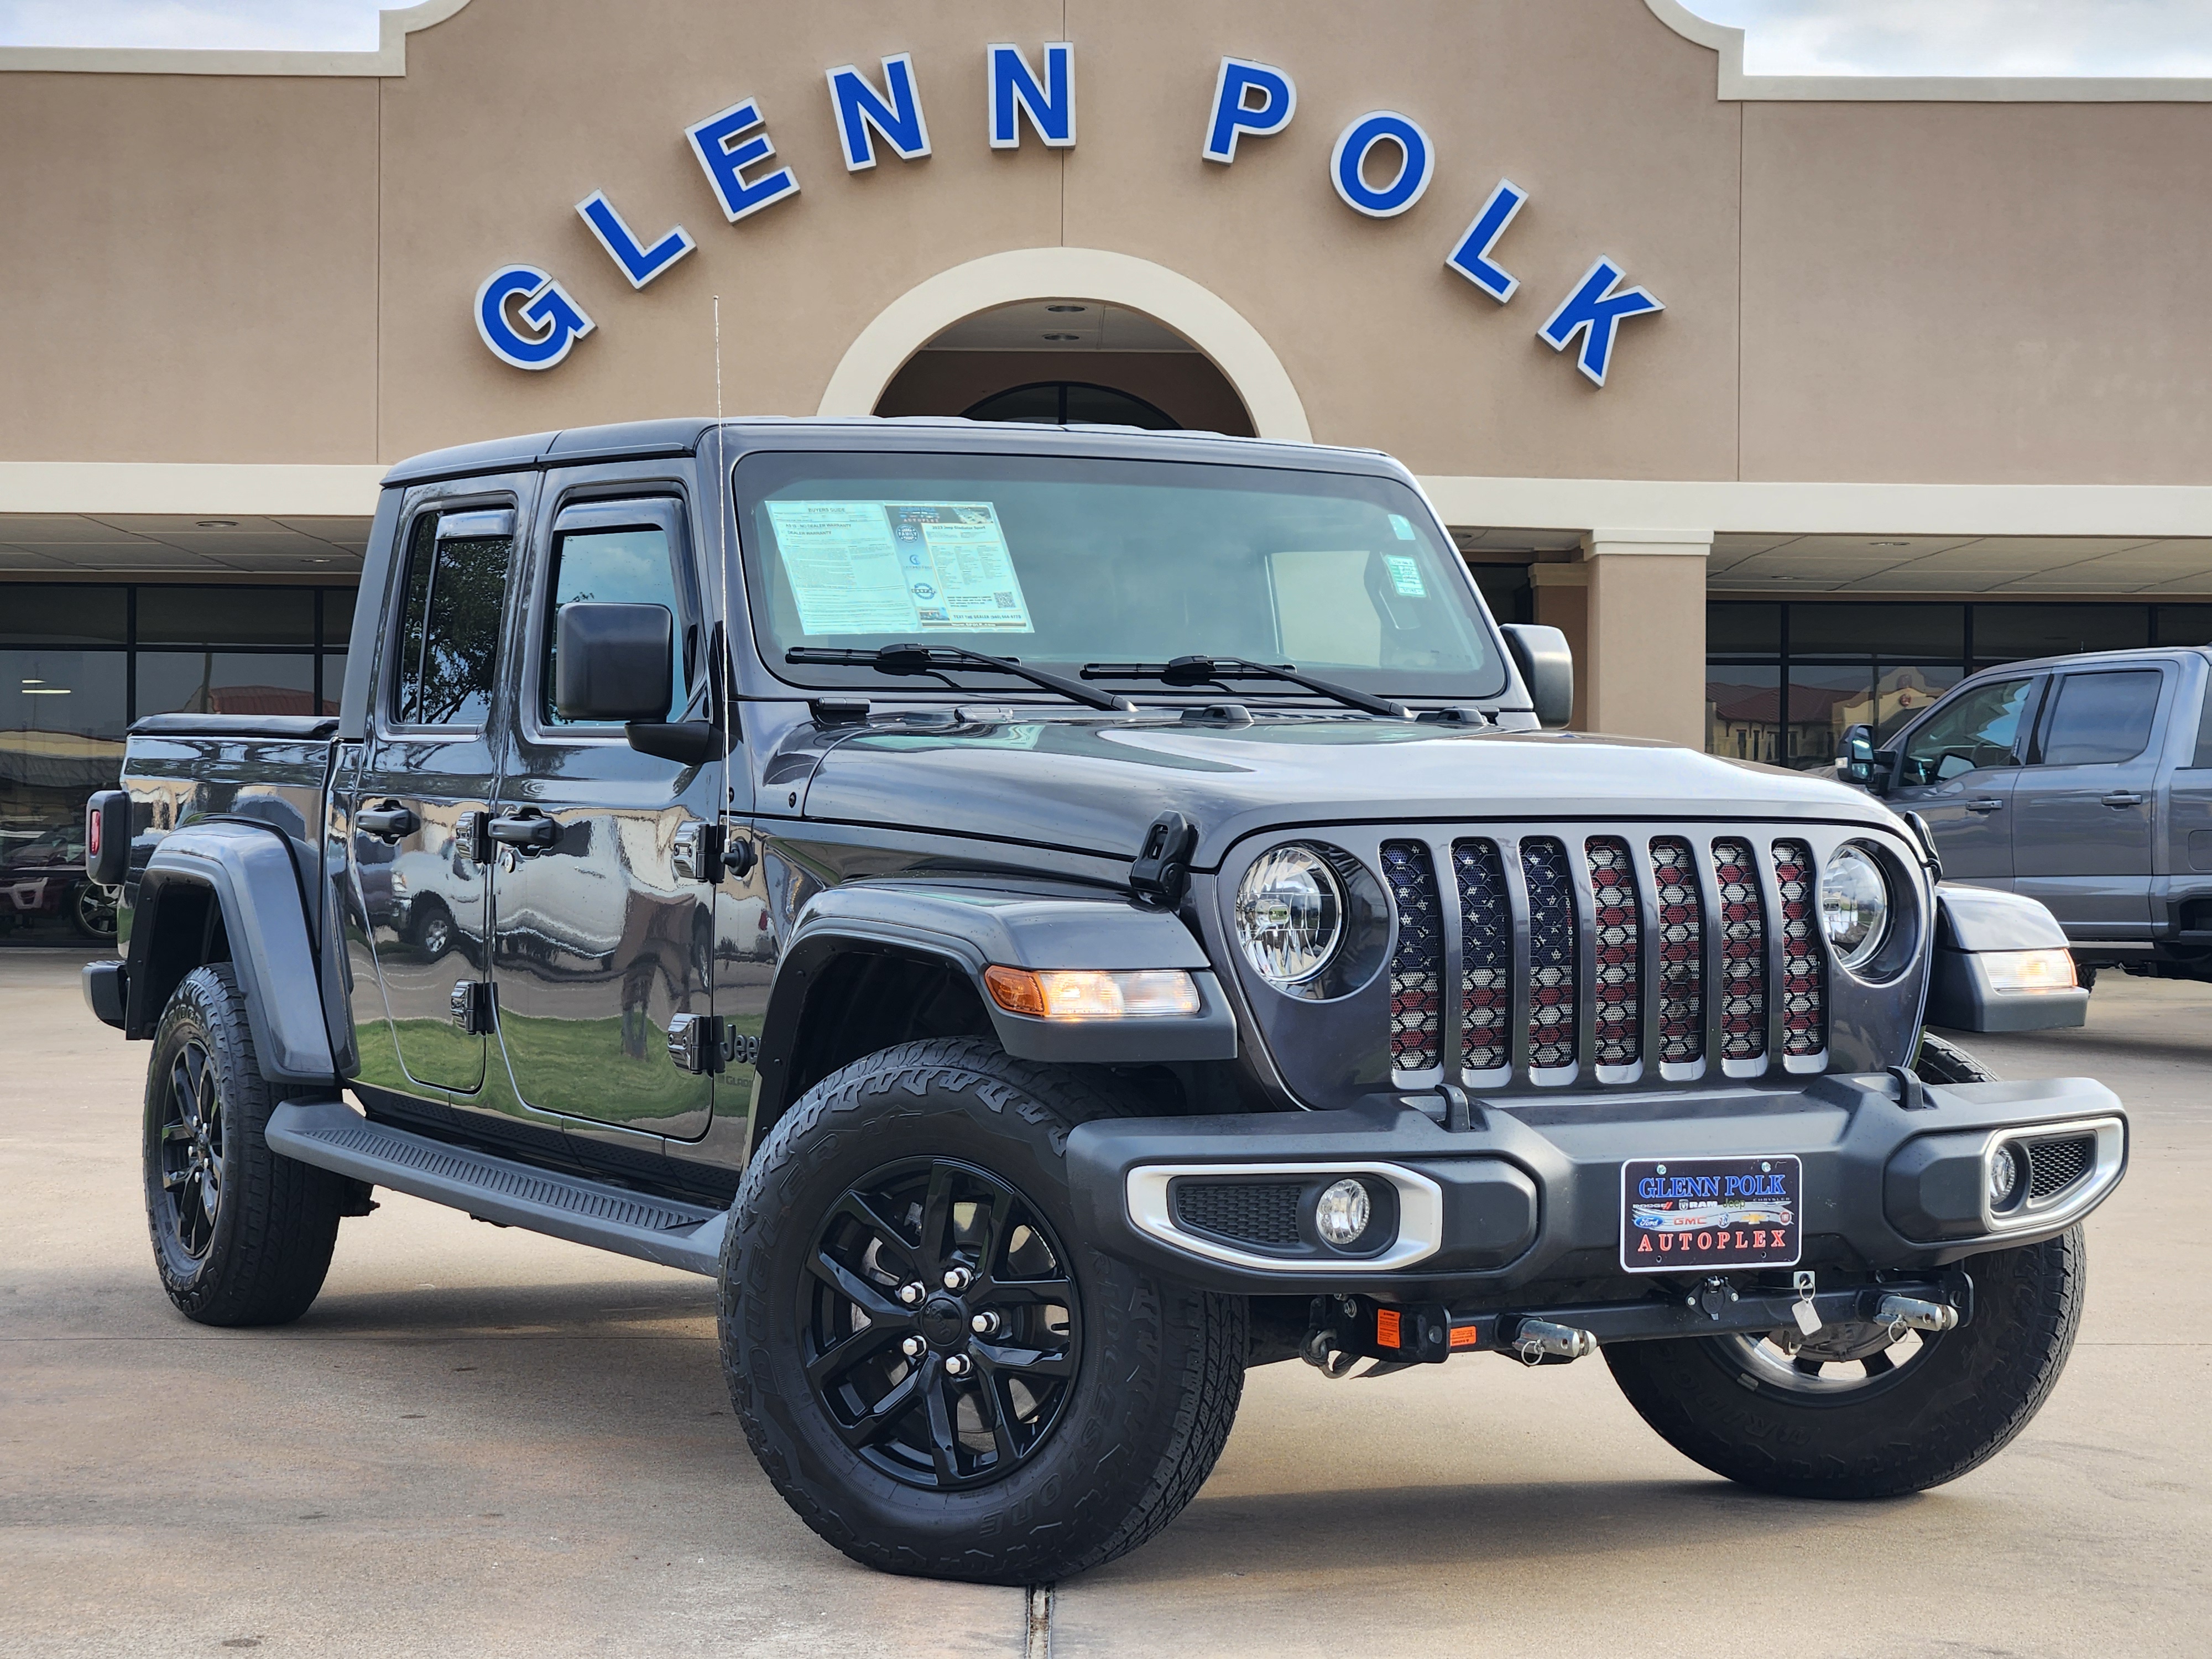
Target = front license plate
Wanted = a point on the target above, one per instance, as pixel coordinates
(1691, 1214)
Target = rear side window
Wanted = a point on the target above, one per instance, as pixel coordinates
(448, 656)
(619, 564)
(2204, 729)
(2101, 718)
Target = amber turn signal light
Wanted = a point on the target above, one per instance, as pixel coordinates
(1092, 993)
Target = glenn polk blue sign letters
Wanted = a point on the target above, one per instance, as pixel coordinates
(1380, 167)
(557, 322)
(1015, 92)
(1594, 309)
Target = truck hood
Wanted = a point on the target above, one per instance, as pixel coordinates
(1094, 786)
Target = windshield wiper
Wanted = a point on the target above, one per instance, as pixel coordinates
(1198, 671)
(913, 658)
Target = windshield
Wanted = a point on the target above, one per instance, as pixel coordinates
(1067, 563)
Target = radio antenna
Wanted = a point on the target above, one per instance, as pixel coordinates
(725, 650)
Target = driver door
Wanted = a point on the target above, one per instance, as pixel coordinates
(1958, 768)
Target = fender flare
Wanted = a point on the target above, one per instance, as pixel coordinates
(1973, 924)
(971, 927)
(251, 870)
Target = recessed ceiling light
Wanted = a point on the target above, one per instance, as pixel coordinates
(217, 524)
(47, 691)
(1063, 337)
(1067, 307)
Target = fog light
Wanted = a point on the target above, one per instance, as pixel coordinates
(2029, 970)
(1340, 1214)
(2004, 1176)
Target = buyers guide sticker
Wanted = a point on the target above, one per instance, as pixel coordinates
(899, 568)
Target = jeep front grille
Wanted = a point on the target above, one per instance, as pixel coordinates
(1607, 957)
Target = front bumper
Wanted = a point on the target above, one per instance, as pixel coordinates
(1534, 1195)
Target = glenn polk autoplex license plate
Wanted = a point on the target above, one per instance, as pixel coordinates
(1688, 1214)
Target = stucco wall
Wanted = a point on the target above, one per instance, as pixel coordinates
(190, 269)
(274, 269)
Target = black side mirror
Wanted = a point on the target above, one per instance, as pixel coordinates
(1854, 757)
(613, 662)
(1546, 663)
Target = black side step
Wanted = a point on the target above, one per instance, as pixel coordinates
(331, 1135)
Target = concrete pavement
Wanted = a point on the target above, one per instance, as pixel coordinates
(484, 1442)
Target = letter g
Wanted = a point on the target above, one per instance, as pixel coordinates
(558, 321)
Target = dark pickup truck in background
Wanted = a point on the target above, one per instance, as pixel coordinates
(1047, 920)
(2084, 783)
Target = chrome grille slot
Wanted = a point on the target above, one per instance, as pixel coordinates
(1742, 932)
(1681, 952)
(1553, 958)
(1417, 964)
(1616, 997)
(1802, 995)
(1486, 931)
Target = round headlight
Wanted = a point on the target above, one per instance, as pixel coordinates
(1290, 914)
(1854, 906)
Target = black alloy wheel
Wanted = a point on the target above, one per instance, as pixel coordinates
(92, 910)
(241, 1236)
(191, 1148)
(942, 1329)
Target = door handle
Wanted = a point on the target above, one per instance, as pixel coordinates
(2122, 798)
(387, 822)
(528, 828)
(1985, 807)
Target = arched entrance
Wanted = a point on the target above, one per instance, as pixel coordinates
(1063, 361)
(953, 342)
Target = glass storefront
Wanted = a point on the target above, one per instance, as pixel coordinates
(1784, 682)
(79, 663)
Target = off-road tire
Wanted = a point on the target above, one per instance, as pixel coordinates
(278, 1220)
(1954, 1406)
(1941, 1061)
(1158, 1375)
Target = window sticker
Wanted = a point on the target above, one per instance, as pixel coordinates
(1403, 526)
(1404, 573)
(899, 568)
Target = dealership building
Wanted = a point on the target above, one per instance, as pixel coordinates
(1791, 400)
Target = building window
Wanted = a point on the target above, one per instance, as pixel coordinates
(1072, 403)
(1784, 681)
(78, 663)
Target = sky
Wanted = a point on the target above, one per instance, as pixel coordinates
(1785, 37)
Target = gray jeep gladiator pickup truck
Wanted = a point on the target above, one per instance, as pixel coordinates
(2084, 783)
(1048, 919)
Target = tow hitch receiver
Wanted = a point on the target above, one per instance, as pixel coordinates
(1345, 1329)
